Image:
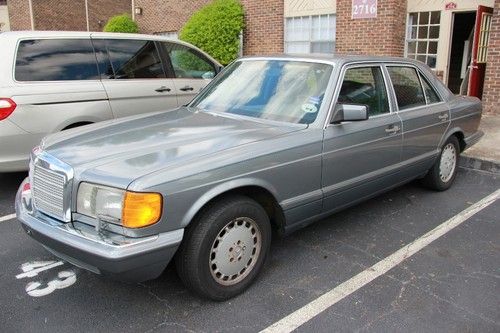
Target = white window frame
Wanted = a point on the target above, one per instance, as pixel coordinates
(310, 39)
(418, 39)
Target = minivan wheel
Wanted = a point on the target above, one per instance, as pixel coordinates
(225, 248)
(443, 172)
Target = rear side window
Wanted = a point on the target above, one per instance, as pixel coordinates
(134, 59)
(430, 93)
(55, 60)
(188, 63)
(407, 87)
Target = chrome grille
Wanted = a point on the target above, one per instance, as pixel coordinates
(48, 192)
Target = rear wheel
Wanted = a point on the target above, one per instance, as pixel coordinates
(442, 174)
(225, 248)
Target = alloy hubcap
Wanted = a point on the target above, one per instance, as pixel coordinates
(448, 162)
(235, 251)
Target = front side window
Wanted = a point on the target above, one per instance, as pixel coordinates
(55, 60)
(188, 63)
(422, 37)
(280, 90)
(407, 87)
(134, 59)
(310, 34)
(365, 85)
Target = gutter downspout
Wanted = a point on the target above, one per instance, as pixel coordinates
(87, 14)
(133, 10)
(32, 19)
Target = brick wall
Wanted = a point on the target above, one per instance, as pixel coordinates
(491, 90)
(59, 14)
(263, 27)
(101, 10)
(19, 15)
(263, 19)
(65, 14)
(384, 35)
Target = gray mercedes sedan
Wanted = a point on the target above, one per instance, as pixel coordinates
(271, 144)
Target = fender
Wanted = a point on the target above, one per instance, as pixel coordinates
(449, 133)
(223, 188)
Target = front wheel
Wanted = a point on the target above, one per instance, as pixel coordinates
(442, 174)
(225, 248)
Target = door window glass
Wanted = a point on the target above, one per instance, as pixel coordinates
(430, 93)
(55, 60)
(134, 59)
(365, 85)
(407, 87)
(188, 63)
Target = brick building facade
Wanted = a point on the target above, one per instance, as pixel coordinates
(64, 14)
(263, 32)
(383, 35)
(491, 95)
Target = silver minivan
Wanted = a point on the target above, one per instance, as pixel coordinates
(53, 80)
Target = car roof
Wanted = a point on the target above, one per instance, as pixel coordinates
(337, 59)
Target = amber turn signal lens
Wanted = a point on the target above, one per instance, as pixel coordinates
(141, 209)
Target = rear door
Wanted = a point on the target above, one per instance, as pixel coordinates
(361, 158)
(424, 114)
(191, 70)
(134, 76)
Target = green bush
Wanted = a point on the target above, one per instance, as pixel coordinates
(121, 23)
(215, 29)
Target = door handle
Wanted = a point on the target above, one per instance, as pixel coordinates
(392, 129)
(187, 88)
(162, 89)
(443, 117)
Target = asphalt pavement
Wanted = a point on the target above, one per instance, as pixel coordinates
(452, 284)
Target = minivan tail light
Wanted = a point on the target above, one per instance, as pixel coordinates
(7, 106)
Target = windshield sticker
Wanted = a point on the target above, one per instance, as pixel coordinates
(315, 99)
(309, 108)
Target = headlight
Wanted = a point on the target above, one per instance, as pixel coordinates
(131, 209)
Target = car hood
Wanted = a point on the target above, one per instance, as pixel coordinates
(116, 152)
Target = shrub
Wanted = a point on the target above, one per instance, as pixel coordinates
(215, 29)
(121, 23)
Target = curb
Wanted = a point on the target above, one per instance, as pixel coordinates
(478, 164)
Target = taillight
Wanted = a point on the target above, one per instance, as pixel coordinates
(7, 106)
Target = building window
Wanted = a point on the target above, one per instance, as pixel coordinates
(422, 37)
(484, 38)
(310, 34)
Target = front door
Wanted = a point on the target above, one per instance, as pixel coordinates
(360, 158)
(479, 50)
(134, 77)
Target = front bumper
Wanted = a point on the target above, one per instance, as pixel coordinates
(123, 258)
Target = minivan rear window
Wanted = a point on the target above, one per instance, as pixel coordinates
(55, 60)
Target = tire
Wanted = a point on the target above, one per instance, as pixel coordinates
(224, 248)
(442, 174)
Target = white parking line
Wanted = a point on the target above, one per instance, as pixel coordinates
(7, 217)
(320, 304)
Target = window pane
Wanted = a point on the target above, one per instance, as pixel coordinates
(365, 85)
(56, 60)
(134, 59)
(303, 33)
(322, 47)
(412, 47)
(423, 32)
(433, 46)
(421, 57)
(434, 32)
(297, 47)
(413, 19)
(432, 96)
(435, 17)
(413, 34)
(406, 87)
(422, 47)
(188, 63)
(431, 61)
(424, 18)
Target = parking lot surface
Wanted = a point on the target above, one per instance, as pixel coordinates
(450, 285)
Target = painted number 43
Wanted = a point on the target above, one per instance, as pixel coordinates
(31, 269)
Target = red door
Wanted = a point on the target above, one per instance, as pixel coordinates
(479, 50)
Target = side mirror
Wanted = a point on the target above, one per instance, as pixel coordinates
(349, 112)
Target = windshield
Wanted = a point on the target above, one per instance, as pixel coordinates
(280, 90)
